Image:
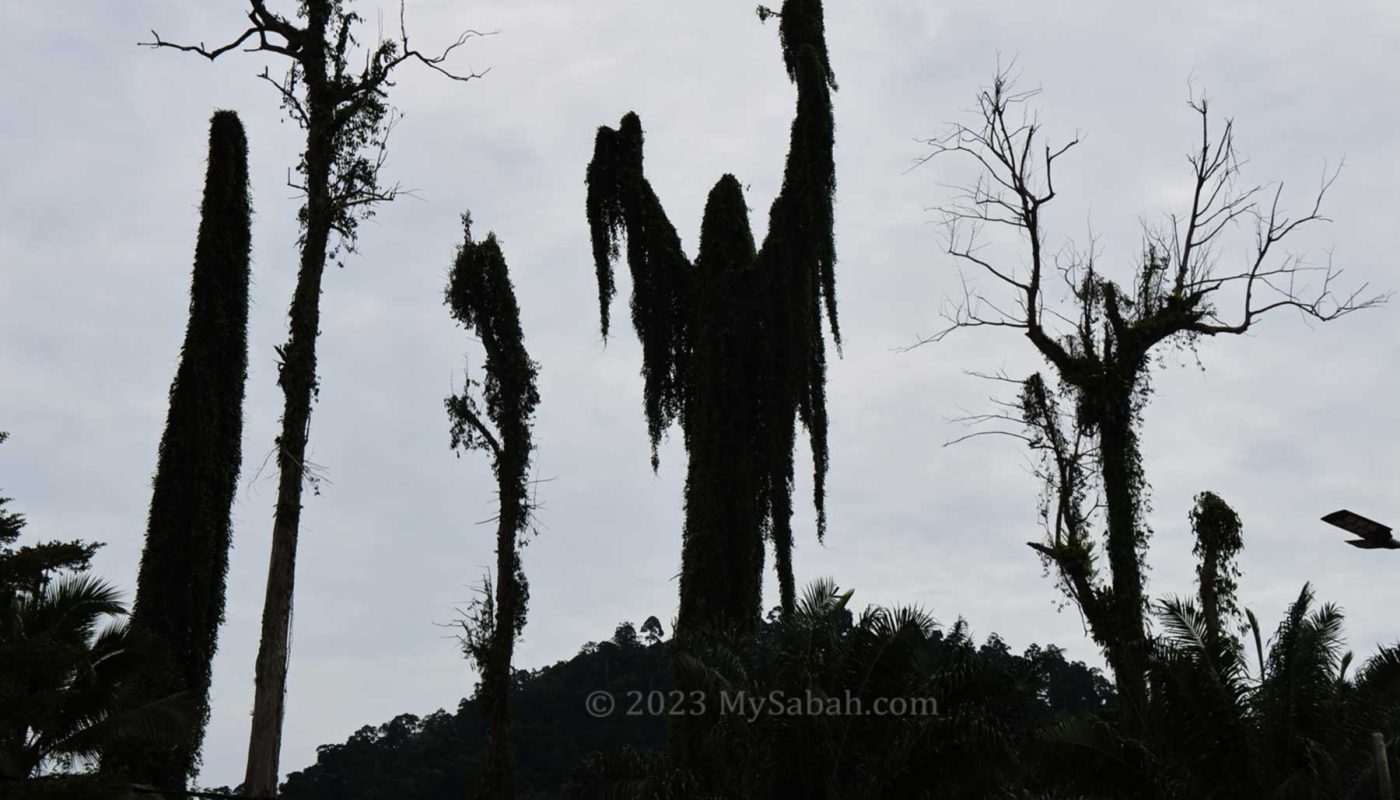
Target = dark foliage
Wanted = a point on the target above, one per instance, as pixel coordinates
(27, 569)
(180, 588)
(560, 745)
(67, 680)
(69, 668)
(481, 297)
(989, 702)
(1222, 722)
(443, 755)
(732, 344)
(1218, 541)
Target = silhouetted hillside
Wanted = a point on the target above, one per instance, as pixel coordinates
(437, 757)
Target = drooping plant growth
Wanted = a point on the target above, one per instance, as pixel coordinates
(732, 343)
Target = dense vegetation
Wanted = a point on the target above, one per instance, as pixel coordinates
(815, 701)
(69, 664)
(440, 755)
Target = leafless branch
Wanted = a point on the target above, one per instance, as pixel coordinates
(1174, 286)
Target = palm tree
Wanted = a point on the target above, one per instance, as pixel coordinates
(1287, 722)
(828, 660)
(66, 680)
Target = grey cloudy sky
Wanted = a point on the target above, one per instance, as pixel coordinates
(103, 148)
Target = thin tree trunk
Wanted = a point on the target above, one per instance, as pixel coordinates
(1378, 750)
(480, 295)
(298, 381)
(499, 783)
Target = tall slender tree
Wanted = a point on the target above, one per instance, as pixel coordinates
(480, 295)
(346, 117)
(732, 344)
(180, 588)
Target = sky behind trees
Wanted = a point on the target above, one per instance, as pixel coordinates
(99, 200)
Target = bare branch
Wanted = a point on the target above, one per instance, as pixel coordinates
(158, 42)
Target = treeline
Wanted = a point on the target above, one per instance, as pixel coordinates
(436, 756)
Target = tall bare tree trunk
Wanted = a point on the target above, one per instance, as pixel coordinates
(297, 377)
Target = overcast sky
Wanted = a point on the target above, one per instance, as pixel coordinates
(104, 147)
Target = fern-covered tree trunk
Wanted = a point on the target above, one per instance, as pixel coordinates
(180, 587)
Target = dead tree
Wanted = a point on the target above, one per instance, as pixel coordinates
(347, 119)
(1085, 424)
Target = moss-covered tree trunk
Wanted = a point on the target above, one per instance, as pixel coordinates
(180, 586)
(481, 297)
(1123, 497)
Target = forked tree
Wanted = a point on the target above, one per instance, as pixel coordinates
(480, 295)
(732, 343)
(345, 114)
(1086, 422)
(180, 587)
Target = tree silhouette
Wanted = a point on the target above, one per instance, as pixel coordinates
(1086, 427)
(732, 343)
(1218, 541)
(652, 630)
(480, 295)
(347, 120)
(66, 680)
(180, 588)
(1286, 719)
